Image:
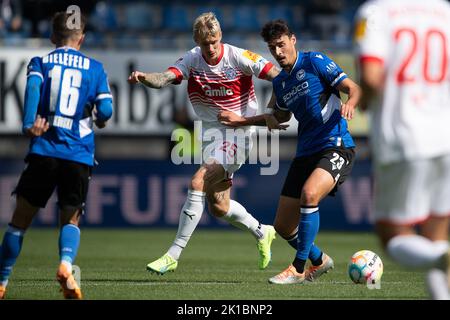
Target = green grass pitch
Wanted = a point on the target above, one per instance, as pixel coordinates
(215, 265)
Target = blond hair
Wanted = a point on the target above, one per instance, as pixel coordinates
(206, 25)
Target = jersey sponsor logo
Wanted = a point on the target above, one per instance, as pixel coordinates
(219, 92)
(252, 56)
(300, 74)
(230, 73)
(360, 29)
(319, 56)
(300, 90)
(331, 67)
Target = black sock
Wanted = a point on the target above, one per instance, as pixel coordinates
(299, 265)
(318, 261)
(292, 241)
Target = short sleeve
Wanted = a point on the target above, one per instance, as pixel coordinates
(279, 102)
(371, 36)
(35, 68)
(181, 67)
(327, 69)
(252, 63)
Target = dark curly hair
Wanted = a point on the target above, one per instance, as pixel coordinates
(275, 29)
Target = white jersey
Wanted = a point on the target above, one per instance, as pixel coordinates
(411, 38)
(227, 85)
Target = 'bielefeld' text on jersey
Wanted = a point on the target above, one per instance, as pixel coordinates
(228, 85)
(71, 84)
(309, 92)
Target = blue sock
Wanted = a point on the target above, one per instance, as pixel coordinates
(314, 254)
(308, 229)
(69, 240)
(10, 249)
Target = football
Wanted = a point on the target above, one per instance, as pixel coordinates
(365, 267)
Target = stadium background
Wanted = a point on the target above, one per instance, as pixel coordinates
(136, 184)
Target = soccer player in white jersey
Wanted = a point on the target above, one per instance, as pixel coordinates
(219, 86)
(404, 53)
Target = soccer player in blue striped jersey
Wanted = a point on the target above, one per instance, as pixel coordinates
(65, 91)
(308, 86)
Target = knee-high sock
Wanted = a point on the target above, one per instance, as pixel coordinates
(189, 217)
(239, 217)
(415, 251)
(69, 241)
(307, 231)
(9, 251)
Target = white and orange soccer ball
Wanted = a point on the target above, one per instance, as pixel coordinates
(365, 267)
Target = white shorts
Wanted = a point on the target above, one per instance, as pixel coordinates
(408, 192)
(229, 147)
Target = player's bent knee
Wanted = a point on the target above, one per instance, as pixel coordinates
(309, 197)
(223, 185)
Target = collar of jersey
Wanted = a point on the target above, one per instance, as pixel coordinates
(296, 61)
(66, 48)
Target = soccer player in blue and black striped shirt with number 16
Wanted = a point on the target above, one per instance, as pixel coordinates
(65, 90)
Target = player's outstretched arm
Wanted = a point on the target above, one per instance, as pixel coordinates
(153, 80)
(354, 93)
(273, 117)
(231, 119)
(273, 72)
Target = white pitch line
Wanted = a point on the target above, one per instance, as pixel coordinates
(93, 283)
(122, 283)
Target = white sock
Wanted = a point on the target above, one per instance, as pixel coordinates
(414, 251)
(436, 279)
(240, 218)
(189, 217)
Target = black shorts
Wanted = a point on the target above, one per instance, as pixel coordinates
(337, 161)
(43, 174)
